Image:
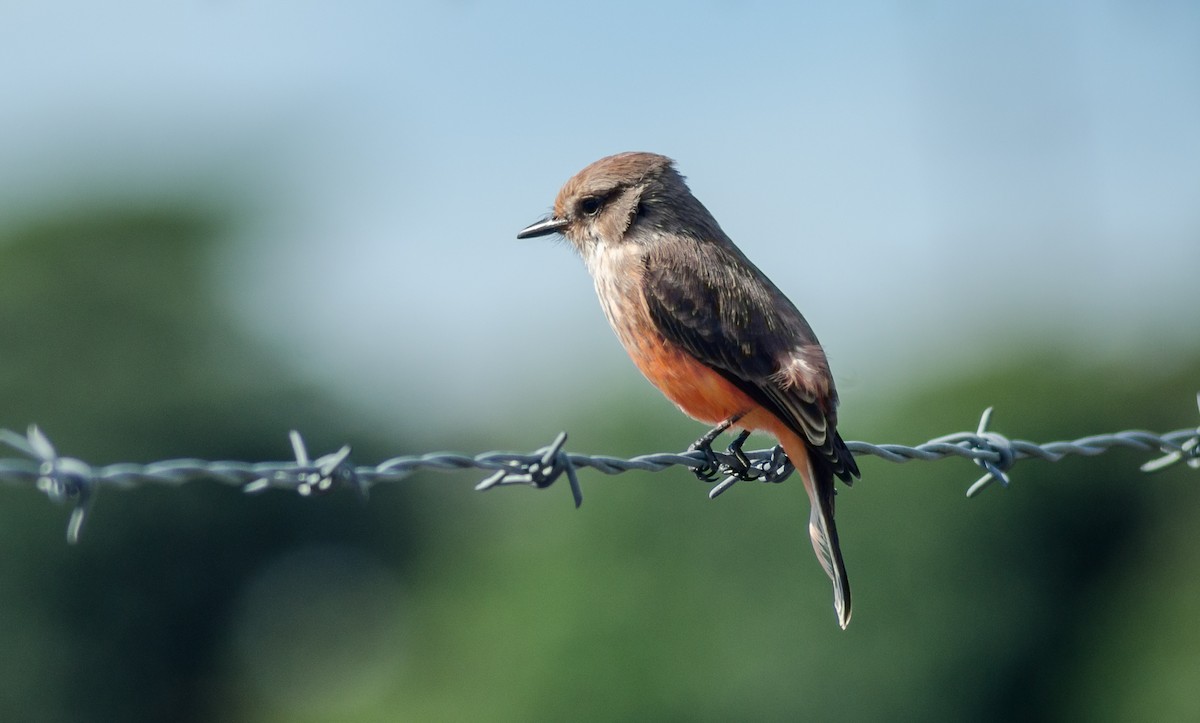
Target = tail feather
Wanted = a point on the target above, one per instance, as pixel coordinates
(818, 482)
(823, 532)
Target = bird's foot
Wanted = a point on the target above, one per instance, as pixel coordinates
(733, 464)
(710, 471)
(740, 466)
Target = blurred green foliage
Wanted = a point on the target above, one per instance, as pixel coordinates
(1069, 595)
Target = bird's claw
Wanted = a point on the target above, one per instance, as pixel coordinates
(737, 464)
(710, 470)
(732, 464)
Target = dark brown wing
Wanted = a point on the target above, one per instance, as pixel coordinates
(728, 314)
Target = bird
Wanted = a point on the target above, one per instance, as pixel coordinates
(708, 328)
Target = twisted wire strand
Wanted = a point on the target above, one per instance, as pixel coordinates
(66, 479)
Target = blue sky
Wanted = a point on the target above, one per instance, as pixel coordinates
(925, 180)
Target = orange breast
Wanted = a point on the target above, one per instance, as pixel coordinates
(699, 391)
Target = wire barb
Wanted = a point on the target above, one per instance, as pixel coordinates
(62, 479)
(66, 479)
(992, 442)
(541, 473)
(1188, 451)
(764, 466)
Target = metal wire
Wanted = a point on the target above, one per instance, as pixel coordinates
(66, 479)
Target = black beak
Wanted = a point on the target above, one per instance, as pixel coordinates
(545, 227)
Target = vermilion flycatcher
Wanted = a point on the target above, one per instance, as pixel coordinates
(706, 326)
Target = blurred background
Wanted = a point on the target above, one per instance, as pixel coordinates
(221, 220)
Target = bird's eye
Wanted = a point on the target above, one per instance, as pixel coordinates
(590, 205)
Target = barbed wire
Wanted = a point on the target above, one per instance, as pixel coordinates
(67, 479)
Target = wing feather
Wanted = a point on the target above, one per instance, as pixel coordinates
(728, 315)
